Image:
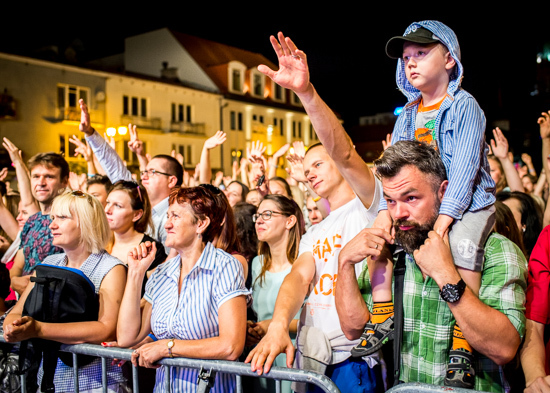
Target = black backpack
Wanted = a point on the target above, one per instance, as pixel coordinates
(60, 294)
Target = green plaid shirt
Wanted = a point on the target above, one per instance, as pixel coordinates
(428, 322)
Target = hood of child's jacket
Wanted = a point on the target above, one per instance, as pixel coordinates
(449, 39)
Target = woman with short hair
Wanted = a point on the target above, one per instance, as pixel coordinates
(195, 302)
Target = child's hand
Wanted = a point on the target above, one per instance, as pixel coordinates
(383, 221)
(442, 224)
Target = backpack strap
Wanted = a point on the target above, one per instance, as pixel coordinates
(399, 278)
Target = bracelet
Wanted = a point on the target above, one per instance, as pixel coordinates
(317, 199)
(274, 166)
(152, 336)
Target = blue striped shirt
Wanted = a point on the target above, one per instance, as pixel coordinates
(216, 278)
(459, 130)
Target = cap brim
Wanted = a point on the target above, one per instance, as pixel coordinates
(394, 46)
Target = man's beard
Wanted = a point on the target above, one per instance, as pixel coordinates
(411, 239)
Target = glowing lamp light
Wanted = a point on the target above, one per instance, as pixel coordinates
(111, 131)
(398, 111)
(122, 130)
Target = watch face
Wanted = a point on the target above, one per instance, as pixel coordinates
(170, 344)
(452, 293)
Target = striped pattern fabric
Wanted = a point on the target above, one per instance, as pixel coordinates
(428, 321)
(96, 267)
(459, 130)
(192, 314)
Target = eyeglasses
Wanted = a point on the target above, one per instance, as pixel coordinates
(153, 172)
(266, 215)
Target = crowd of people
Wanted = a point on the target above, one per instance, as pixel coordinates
(441, 247)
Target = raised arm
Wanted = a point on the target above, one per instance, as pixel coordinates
(23, 178)
(212, 142)
(107, 157)
(273, 161)
(136, 146)
(85, 151)
(293, 74)
(499, 146)
(134, 323)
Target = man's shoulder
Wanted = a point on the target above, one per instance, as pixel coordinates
(499, 248)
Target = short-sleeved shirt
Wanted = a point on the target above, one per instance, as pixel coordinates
(192, 313)
(428, 321)
(36, 241)
(537, 307)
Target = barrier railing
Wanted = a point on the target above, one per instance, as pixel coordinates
(416, 387)
(207, 369)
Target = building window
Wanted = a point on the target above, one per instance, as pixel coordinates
(181, 113)
(134, 106)
(236, 76)
(236, 121)
(278, 93)
(258, 84)
(281, 127)
(67, 100)
(299, 130)
(294, 129)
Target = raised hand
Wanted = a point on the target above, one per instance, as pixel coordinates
(281, 151)
(13, 151)
(499, 145)
(85, 123)
(256, 152)
(81, 148)
(141, 257)
(293, 70)
(216, 140)
(296, 169)
(544, 123)
(110, 141)
(134, 144)
(387, 142)
(3, 173)
(177, 156)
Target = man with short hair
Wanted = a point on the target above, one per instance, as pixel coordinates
(336, 172)
(434, 296)
(159, 176)
(49, 175)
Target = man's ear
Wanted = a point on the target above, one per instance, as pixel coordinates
(442, 189)
(172, 181)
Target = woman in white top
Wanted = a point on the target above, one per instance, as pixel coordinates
(279, 226)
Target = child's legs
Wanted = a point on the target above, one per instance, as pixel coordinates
(381, 274)
(467, 239)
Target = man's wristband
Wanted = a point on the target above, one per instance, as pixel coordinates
(152, 336)
(317, 199)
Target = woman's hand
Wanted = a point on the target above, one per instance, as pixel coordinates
(114, 344)
(141, 257)
(148, 354)
(21, 329)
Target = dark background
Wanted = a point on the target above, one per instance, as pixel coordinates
(344, 44)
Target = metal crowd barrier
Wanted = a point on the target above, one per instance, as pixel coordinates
(207, 369)
(416, 387)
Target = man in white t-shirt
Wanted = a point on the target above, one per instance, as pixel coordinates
(337, 173)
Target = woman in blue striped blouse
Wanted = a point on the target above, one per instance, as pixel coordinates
(195, 303)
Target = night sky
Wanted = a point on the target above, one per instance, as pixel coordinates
(345, 45)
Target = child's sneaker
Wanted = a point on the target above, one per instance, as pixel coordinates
(460, 371)
(372, 342)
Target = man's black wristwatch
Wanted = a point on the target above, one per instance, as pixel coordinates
(452, 293)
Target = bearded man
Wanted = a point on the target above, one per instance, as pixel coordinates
(434, 297)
